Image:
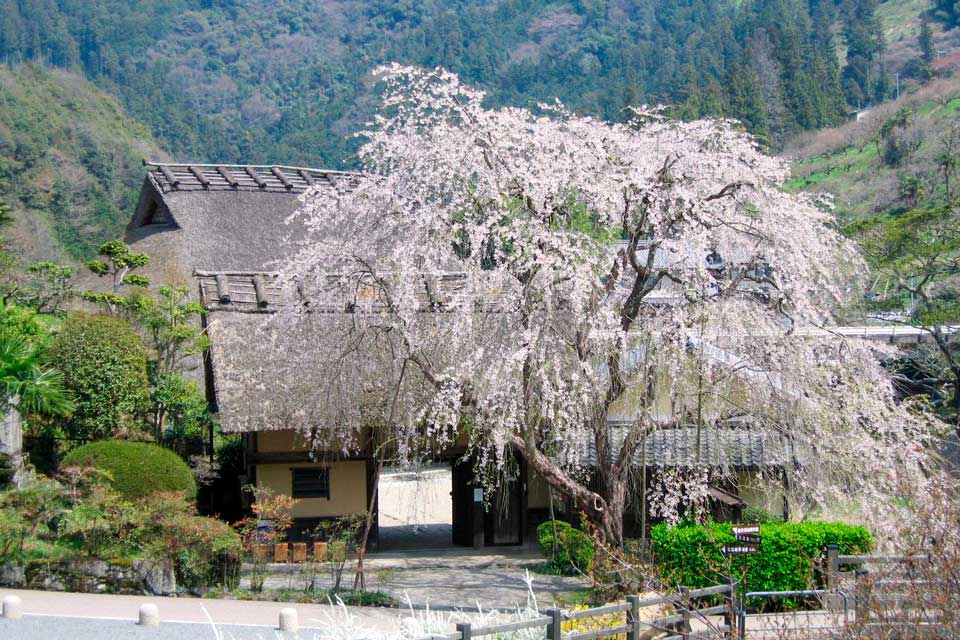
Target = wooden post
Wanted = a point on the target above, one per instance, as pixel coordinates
(555, 626)
(685, 627)
(464, 629)
(633, 618)
(280, 551)
(833, 566)
(729, 614)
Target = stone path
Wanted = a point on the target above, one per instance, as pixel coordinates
(447, 578)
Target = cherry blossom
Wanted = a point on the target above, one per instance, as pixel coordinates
(534, 281)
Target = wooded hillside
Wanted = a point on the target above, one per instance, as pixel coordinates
(226, 80)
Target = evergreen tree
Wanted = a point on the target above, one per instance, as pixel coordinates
(948, 11)
(927, 51)
(863, 33)
(744, 98)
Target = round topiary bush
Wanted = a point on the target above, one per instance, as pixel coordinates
(138, 469)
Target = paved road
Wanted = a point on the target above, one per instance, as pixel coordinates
(77, 616)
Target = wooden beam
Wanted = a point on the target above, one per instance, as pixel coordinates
(202, 179)
(282, 178)
(260, 287)
(226, 175)
(256, 177)
(223, 289)
(172, 179)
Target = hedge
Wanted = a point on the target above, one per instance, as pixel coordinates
(137, 469)
(689, 555)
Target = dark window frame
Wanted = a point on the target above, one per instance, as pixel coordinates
(317, 486)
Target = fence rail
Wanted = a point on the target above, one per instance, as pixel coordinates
(684, 602)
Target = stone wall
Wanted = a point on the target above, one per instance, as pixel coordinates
(137, 577)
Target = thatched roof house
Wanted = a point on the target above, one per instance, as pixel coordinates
(225, 229)
(220, 217)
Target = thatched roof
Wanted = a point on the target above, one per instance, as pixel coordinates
(221, 217)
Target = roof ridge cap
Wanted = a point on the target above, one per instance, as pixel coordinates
(230, 165)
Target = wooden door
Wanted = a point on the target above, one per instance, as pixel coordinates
(464, 521)
(505, 519)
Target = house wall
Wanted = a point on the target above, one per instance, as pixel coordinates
(348, 488)
(761, 493)
(278, 441)
(538, 492)
(294, 441)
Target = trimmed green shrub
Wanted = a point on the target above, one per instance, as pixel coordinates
(206, 552)
(568, 550)
(137, 469)
(689, 555)
(104, 365)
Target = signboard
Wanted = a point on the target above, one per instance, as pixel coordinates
(749, 534)
(742, 549)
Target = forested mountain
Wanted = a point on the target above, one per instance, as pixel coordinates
(287, 80)
(70, 162)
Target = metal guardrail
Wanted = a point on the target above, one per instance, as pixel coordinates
(679, 623)
(783, 630)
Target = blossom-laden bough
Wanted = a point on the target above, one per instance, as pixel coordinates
(560, 287)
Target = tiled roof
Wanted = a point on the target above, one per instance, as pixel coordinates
(735, 445)
(229, 177)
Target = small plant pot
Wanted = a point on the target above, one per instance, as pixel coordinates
(281, 552)
(299, 551)
(319, 551)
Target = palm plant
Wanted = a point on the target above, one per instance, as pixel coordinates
(26, 384)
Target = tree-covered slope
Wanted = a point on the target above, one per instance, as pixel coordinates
(899, 156)
(70, 162)
(235, 80)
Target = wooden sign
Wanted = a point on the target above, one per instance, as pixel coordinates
(749, 534)
(742, 549)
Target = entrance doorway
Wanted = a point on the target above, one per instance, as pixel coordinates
(502, 522)
(415, 508)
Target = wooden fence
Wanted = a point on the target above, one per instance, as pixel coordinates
(684, 602)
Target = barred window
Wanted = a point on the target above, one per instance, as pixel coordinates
(311, 482)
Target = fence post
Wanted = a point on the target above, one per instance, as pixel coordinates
(555, 626)
(633, 618)
(730, 614)
(833, 566)
(685, 603)
(464, 629)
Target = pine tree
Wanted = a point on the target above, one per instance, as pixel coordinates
(927, 52)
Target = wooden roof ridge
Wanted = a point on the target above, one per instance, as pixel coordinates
(271, 178)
